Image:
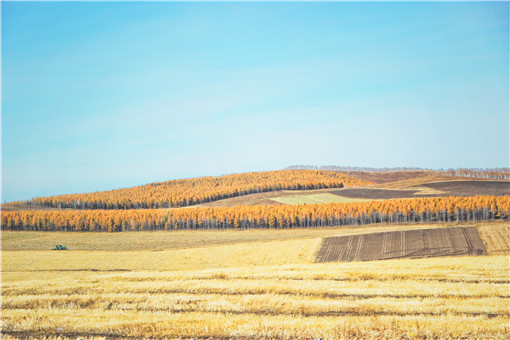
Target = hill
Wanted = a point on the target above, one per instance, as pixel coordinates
(427, 209)
(385, 185)
(186, 192)
(274, 188)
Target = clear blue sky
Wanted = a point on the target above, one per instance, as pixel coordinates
(103, 95)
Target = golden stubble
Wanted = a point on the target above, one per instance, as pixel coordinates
(437, 297)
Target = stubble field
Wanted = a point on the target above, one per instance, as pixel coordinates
(448, 297)
(264, 288)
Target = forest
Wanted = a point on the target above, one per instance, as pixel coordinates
(421, 210)
(186, 192)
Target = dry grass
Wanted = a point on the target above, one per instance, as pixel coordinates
(448, 297)
(420, 180)
(316, 198)
(266, 287)
(496, 238)
(13, 207)
(181, 239)
(238, 255)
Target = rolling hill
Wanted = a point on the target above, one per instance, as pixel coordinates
(186, 192)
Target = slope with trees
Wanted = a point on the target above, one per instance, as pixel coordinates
(422, 210)
(186, 192)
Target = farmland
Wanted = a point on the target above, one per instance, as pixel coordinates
(432, 189)
(262, 264)
(319, 198)
(387, 186)
(185, 192)
(184, 239)
(161, 177)
(398, 244)
(393, 298)
(251, 283)
(235, 190)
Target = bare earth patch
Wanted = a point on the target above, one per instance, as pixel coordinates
(408, 243)
(436, 189)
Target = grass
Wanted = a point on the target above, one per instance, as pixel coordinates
(448, 297)
(315, 199)
(496, 238)
(237, 255)
(245, 284)
(183, 239)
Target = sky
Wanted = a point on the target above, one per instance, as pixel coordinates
(104, 95)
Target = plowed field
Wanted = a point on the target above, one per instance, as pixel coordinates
(438, 189)
(408, 243)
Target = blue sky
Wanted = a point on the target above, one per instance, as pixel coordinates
(103, 95)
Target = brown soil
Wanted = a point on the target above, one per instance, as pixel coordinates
(437, 189)
(388, 177)
(470, 188)
(399, 184)
(413, 182)
(400, 244)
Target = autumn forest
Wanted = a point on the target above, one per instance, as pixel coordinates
(146, 207)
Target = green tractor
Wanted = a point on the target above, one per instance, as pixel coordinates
(60, 247)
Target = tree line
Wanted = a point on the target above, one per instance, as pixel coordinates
(497, 173)
(490, 173)
(421, 210)
(186, 192)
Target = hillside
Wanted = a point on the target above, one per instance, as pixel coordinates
(427, 209)
(274, 188)
(186, 192)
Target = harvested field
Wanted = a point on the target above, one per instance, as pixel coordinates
(13, 207)
(316, 198)
(437, 189)
(236, 255)
(372, 193)
(406, 179)
(280, 197)
(471, 188)
(256, 288)
(421, 180)
(180, 239)
(408, 243)
(496, 238)
(389, 177)
(263, 198)
(454, 298)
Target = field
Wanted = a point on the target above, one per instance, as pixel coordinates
(409, 184)
(318, 198)
(467, 188)
(239, 255)
(388, 186)
(184, 239)
(496, 238)
(447, 297)
(444, 189)
(267, 283)
(418, 176)
(247, 284)
(399, 244)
